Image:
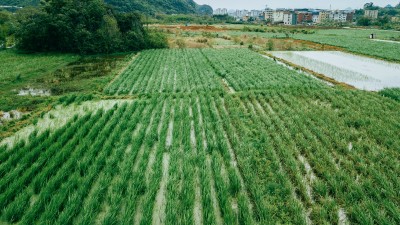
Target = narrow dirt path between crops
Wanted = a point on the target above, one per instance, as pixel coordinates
(203, 133)
(227, 86)
(198, 210)
(342, 217)
(168, 141)
(309, 178)
(161, 203)
(217, 212)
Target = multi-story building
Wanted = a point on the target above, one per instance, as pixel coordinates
(304, 17)
(255, 13)
(371, 14)
(269, 14)
(220, 11)
(315, 17)
(338, 16)
(289, 18)
(277, 16)
(323, 16)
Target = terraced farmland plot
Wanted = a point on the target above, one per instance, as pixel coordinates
(245, 70)
(207, 70)
(162, 160)
(159, 71)
(291, 156)
(271, 153)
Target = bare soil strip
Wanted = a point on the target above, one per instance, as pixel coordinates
(149, 168)
(203, 133)
(161, 203)
(192, 131)
(310, 176)
(168, 141)
(227, 87)
(217, 211)
(342, 217)
(174, 81)
(198, 210)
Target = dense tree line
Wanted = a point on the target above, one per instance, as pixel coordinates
(22, 3)
(7, 27)
(85, 27)
(149, 7)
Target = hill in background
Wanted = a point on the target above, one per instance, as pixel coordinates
(141, 6)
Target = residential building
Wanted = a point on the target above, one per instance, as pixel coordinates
(278, 16)
(338, 16)
(350, 16)
(315, 17)
(289, 18)
(269, 14)
(323, 16)
(304, 17)
(395, 19)
(371, 14)
(255, 13)
(220, 11)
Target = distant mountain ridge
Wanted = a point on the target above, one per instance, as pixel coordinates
(141, 6)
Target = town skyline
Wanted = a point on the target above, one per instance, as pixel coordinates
(260, 4)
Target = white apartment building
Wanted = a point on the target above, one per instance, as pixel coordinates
(255, 13)
(371, 14)
(269, 14)
(338, 16)
(315, 18)
(220, 11)
(289, 18)
(278, 16)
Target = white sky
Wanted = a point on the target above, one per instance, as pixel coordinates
(260, 4)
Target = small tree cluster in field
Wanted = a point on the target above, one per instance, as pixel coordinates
(85, 27)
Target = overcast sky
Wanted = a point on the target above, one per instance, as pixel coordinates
(260, 4)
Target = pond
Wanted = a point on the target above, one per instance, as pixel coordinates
(361, 72)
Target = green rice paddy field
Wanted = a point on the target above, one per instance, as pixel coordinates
(208, 136)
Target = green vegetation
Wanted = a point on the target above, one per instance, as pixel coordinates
(202, 70)
(18, 71)
(358, 41)
(86, 27)
(157, 71)
(7, 28)
(393, 93)
(353, 40)
(211, 137)
(33, 83)
(141, 6)
(20, 2)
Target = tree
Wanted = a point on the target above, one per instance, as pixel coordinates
(205, 10)
(364, 21)
(370, 6)
(383, 20)
(84, 27)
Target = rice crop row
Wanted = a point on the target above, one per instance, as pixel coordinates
(160, 71)
(207, 70)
